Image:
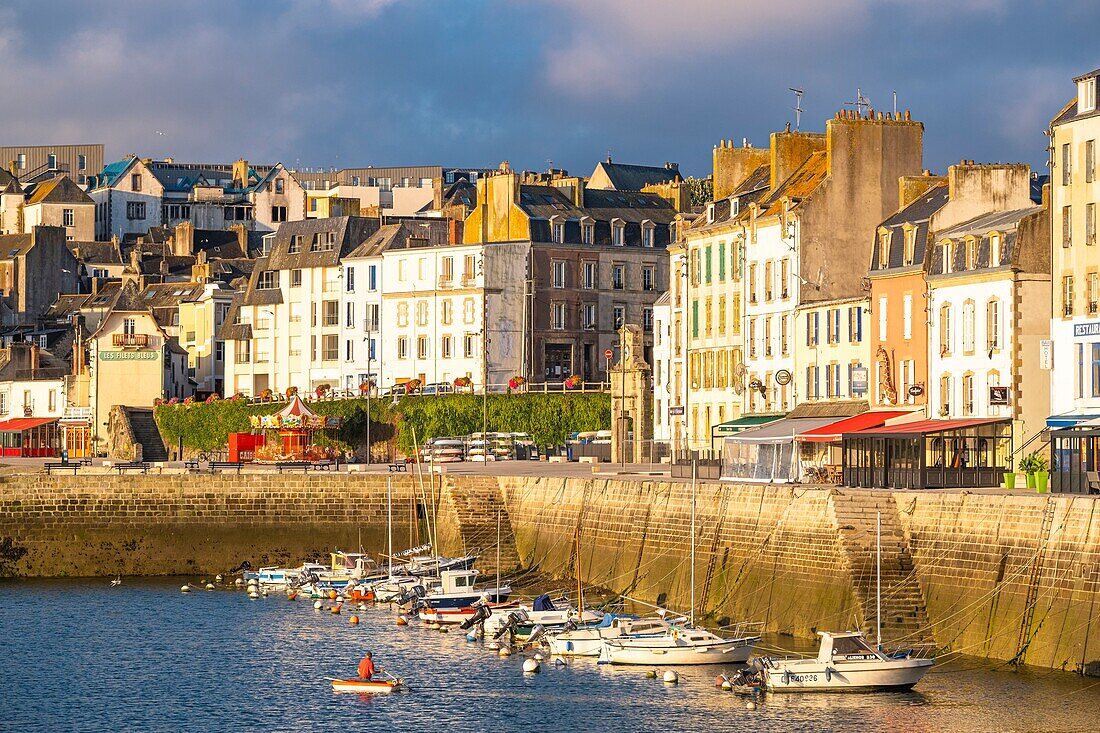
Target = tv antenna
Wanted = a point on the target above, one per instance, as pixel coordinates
(861, 104)
(895, 103)
(798, 92)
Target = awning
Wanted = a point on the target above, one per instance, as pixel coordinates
(19, 424)
(732, 427)
(921, 427)
(1074, 417)
(831, 433)
(781, 431)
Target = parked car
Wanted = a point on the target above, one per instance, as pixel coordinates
(438, 388)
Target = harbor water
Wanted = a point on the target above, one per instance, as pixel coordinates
(79, 655)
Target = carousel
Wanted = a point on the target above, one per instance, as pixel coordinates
(290, 432)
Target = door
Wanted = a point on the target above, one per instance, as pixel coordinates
(557, 361)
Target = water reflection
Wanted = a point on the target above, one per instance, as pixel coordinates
(79, 655)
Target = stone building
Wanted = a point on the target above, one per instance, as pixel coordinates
(34, 268)
(28, 162)
(55, 202)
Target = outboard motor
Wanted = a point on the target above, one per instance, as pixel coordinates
(515, 618)
(244, 566)
(416, 593)
(537, 632)
(570, 625)
(482, 613)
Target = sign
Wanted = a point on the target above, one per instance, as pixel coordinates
(676, 410)
(916, 390)
(1092, 328)
(608, 354)
(860, 377)
(998, 396)
(1046, 354)
(782, 377)
(129, 355)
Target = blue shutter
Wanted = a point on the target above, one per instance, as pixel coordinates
(859, 324)
(817, 339)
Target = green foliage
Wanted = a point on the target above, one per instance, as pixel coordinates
(549, 418)
(700, 190)
(1034, 463)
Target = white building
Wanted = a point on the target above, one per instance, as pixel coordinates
(361, 307)
(662, 369)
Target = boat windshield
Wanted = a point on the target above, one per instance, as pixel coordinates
(851, 645)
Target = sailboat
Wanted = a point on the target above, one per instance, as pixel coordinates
(680, 643)
(846, 661)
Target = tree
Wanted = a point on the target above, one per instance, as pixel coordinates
(700, 190)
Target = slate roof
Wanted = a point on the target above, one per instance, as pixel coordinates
(13, 245)
(218, 243)
(57, 190)
(96, 253)
(349, 232)
(980, 227)
(752, 189)
(626, 177)
(800, 185)
(917, 213)
(66, 305)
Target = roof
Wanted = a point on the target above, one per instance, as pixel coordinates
(916, 215)
(833, 431)
(626, 177)
(997, 221)
(19, 424)
(13, 245)
(921, 427)
(296, 408)
(348, 232)
(57, 190)
(743, 423)
(830, 408)
(799, 185)
(403, 234)
(781, 431)
(96, 253)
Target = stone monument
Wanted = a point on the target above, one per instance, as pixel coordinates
(631, 400)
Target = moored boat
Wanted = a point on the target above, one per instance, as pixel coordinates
(845, 662)
(457, 589)
(678, 645)
(374, 686)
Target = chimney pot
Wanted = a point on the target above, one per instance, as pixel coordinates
(906, 115)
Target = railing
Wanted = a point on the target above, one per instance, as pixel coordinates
(468, 281)
(133, 340)
(708, 463)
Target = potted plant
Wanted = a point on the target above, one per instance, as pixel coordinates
(573, 381)
(321, 391)
(1010, 476)
(463, 382)
(412, 385)
(516, 382)
(365, 387)
(291, 391)
(1033, 465)
(265, 394)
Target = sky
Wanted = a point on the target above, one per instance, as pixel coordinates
(343, 83)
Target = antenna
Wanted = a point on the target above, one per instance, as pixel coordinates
(798, 92)
(861, 104)
(895, 103)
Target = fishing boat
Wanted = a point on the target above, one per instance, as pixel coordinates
(462, 615)
(276, 578)
(457, 589)
(845, 661)
(424, 565)
(372, 686)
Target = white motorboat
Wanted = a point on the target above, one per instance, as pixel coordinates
(677, 645)
(456, 589)
(541, 612)
(587, 641)
(845, 661)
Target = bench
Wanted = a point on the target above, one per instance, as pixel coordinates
(132, 466)
(399, 468)
(63, 466)
(325, 465)
(191, 464)
(225, 466)
(302, 466)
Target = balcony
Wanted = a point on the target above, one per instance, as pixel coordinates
(446, 282)
(469, 281)
(131, 340)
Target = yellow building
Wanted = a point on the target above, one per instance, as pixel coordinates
(834, 350)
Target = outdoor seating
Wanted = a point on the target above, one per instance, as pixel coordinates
(302, 466)
(225, 466)
(132, 466)
(63, 466)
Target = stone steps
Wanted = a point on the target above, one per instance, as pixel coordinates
(476, 504)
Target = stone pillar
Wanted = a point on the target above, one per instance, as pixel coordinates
(631, 400)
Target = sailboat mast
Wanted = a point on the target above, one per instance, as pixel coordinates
(580, 587)
(693, 471)
(389, 522)
(878, 580)
(498, 557)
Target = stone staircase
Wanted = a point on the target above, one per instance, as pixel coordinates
(904, 616)
(146, 432)
(476, 502)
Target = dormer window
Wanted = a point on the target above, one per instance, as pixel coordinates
(735, 207)
(647, 233)
(971, 252)
(295, 244)
(588, 228)
(883, 248)
(710, 213)
(618, 232)
(1086, 95)
(948, 264)
(994, 249)
(910, 245)
(557, 229)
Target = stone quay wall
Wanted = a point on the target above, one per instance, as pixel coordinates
(1009, 576)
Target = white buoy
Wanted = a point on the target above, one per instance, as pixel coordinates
(471, 636)
(317, 605)
(671, 677)
(362, 607)
(185, 588)
(726, 685)
(253, 581)
(253, 595)
(263, 590)
(504, 651)
(539, 657)
(493, 646)
(750, 705)
(210, 586)
(218, 578)
(238, 582)
(531, 666)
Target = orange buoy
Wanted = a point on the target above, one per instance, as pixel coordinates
(332, 595)
(353, 620)
(292, 595)
(719, 680)
(336, 608)
(402, 621)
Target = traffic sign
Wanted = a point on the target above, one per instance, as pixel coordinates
(608, 354)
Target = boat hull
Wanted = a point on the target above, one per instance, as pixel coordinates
(371, 686)
(898, 674)
(675, 652)
(457, 601)
(460, 615)
(579, 643)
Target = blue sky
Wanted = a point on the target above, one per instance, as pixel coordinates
(474, 82)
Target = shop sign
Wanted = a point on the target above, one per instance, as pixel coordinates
(1092, 328)
(860, 378)
(998, 396)
(129, 355)
(676, 410)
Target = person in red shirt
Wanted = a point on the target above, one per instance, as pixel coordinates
(366, 667)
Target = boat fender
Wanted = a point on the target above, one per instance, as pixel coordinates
(675, 634)
(828, 674)
(786, 677)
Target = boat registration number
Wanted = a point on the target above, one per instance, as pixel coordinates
(803, 678)
(859, 657)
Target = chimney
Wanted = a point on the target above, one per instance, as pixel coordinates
(13, 168)
(183, 239)
(733, 165)
(789, 150)
(240, 173)
(34, 359)
(911, 188)
(242, 237)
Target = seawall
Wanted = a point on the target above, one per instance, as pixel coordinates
(1000, 575)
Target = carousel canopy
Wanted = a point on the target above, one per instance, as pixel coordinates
(297, 415)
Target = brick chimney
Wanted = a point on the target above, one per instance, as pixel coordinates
(911, 188)
(789, 150)
(183, 239)
(733, 165)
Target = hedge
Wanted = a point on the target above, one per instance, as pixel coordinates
(548, 418)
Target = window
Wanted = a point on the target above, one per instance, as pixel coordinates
(968, 394)
(21, 160)
(350, 315)
(883, 249)
(855, 324)
(401, 270)
(295, 311)
(219, 351)
(707, 317)
(1067, 164)
(371, 322)
(330, 313)
(767, 336)
(994, 249)
(295, 245)
(349, 279)
(1090, 161)
(945, 329)
(784, 277)
(1090, 224)
(784, 347)
(647, 278)
(295, 278)
(1067, 226)
(67, 217)
(1096, 370)
(618, 234)
(421, 347)
(647, 319)
(882, 318)
(402, 347)
(968, 327)
(1093, 291)
(590, 273)
(910, 246)
(135, 181)
(263, 351)
(558, 268)
(243, 352)
(280, 185)
(812, 324)
(469, 345)
(372, 277)
(446, 310)
(947, 389)
(752, 282)
(1086, 95)
(557, 316)
(768, 281)
(278, 213)
(992, 325)
(135, 210)
(559, 232)
(618, 315)
(971, 252)
(695, 319)
(51, 161)
(721, 315)
(447, 265)
(617, 276)
(422, 313)
(446, 345)
(586, 233)
(468, 310)
(1079, 390)
(349, 350)
(589, 312)
(1067, 295)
